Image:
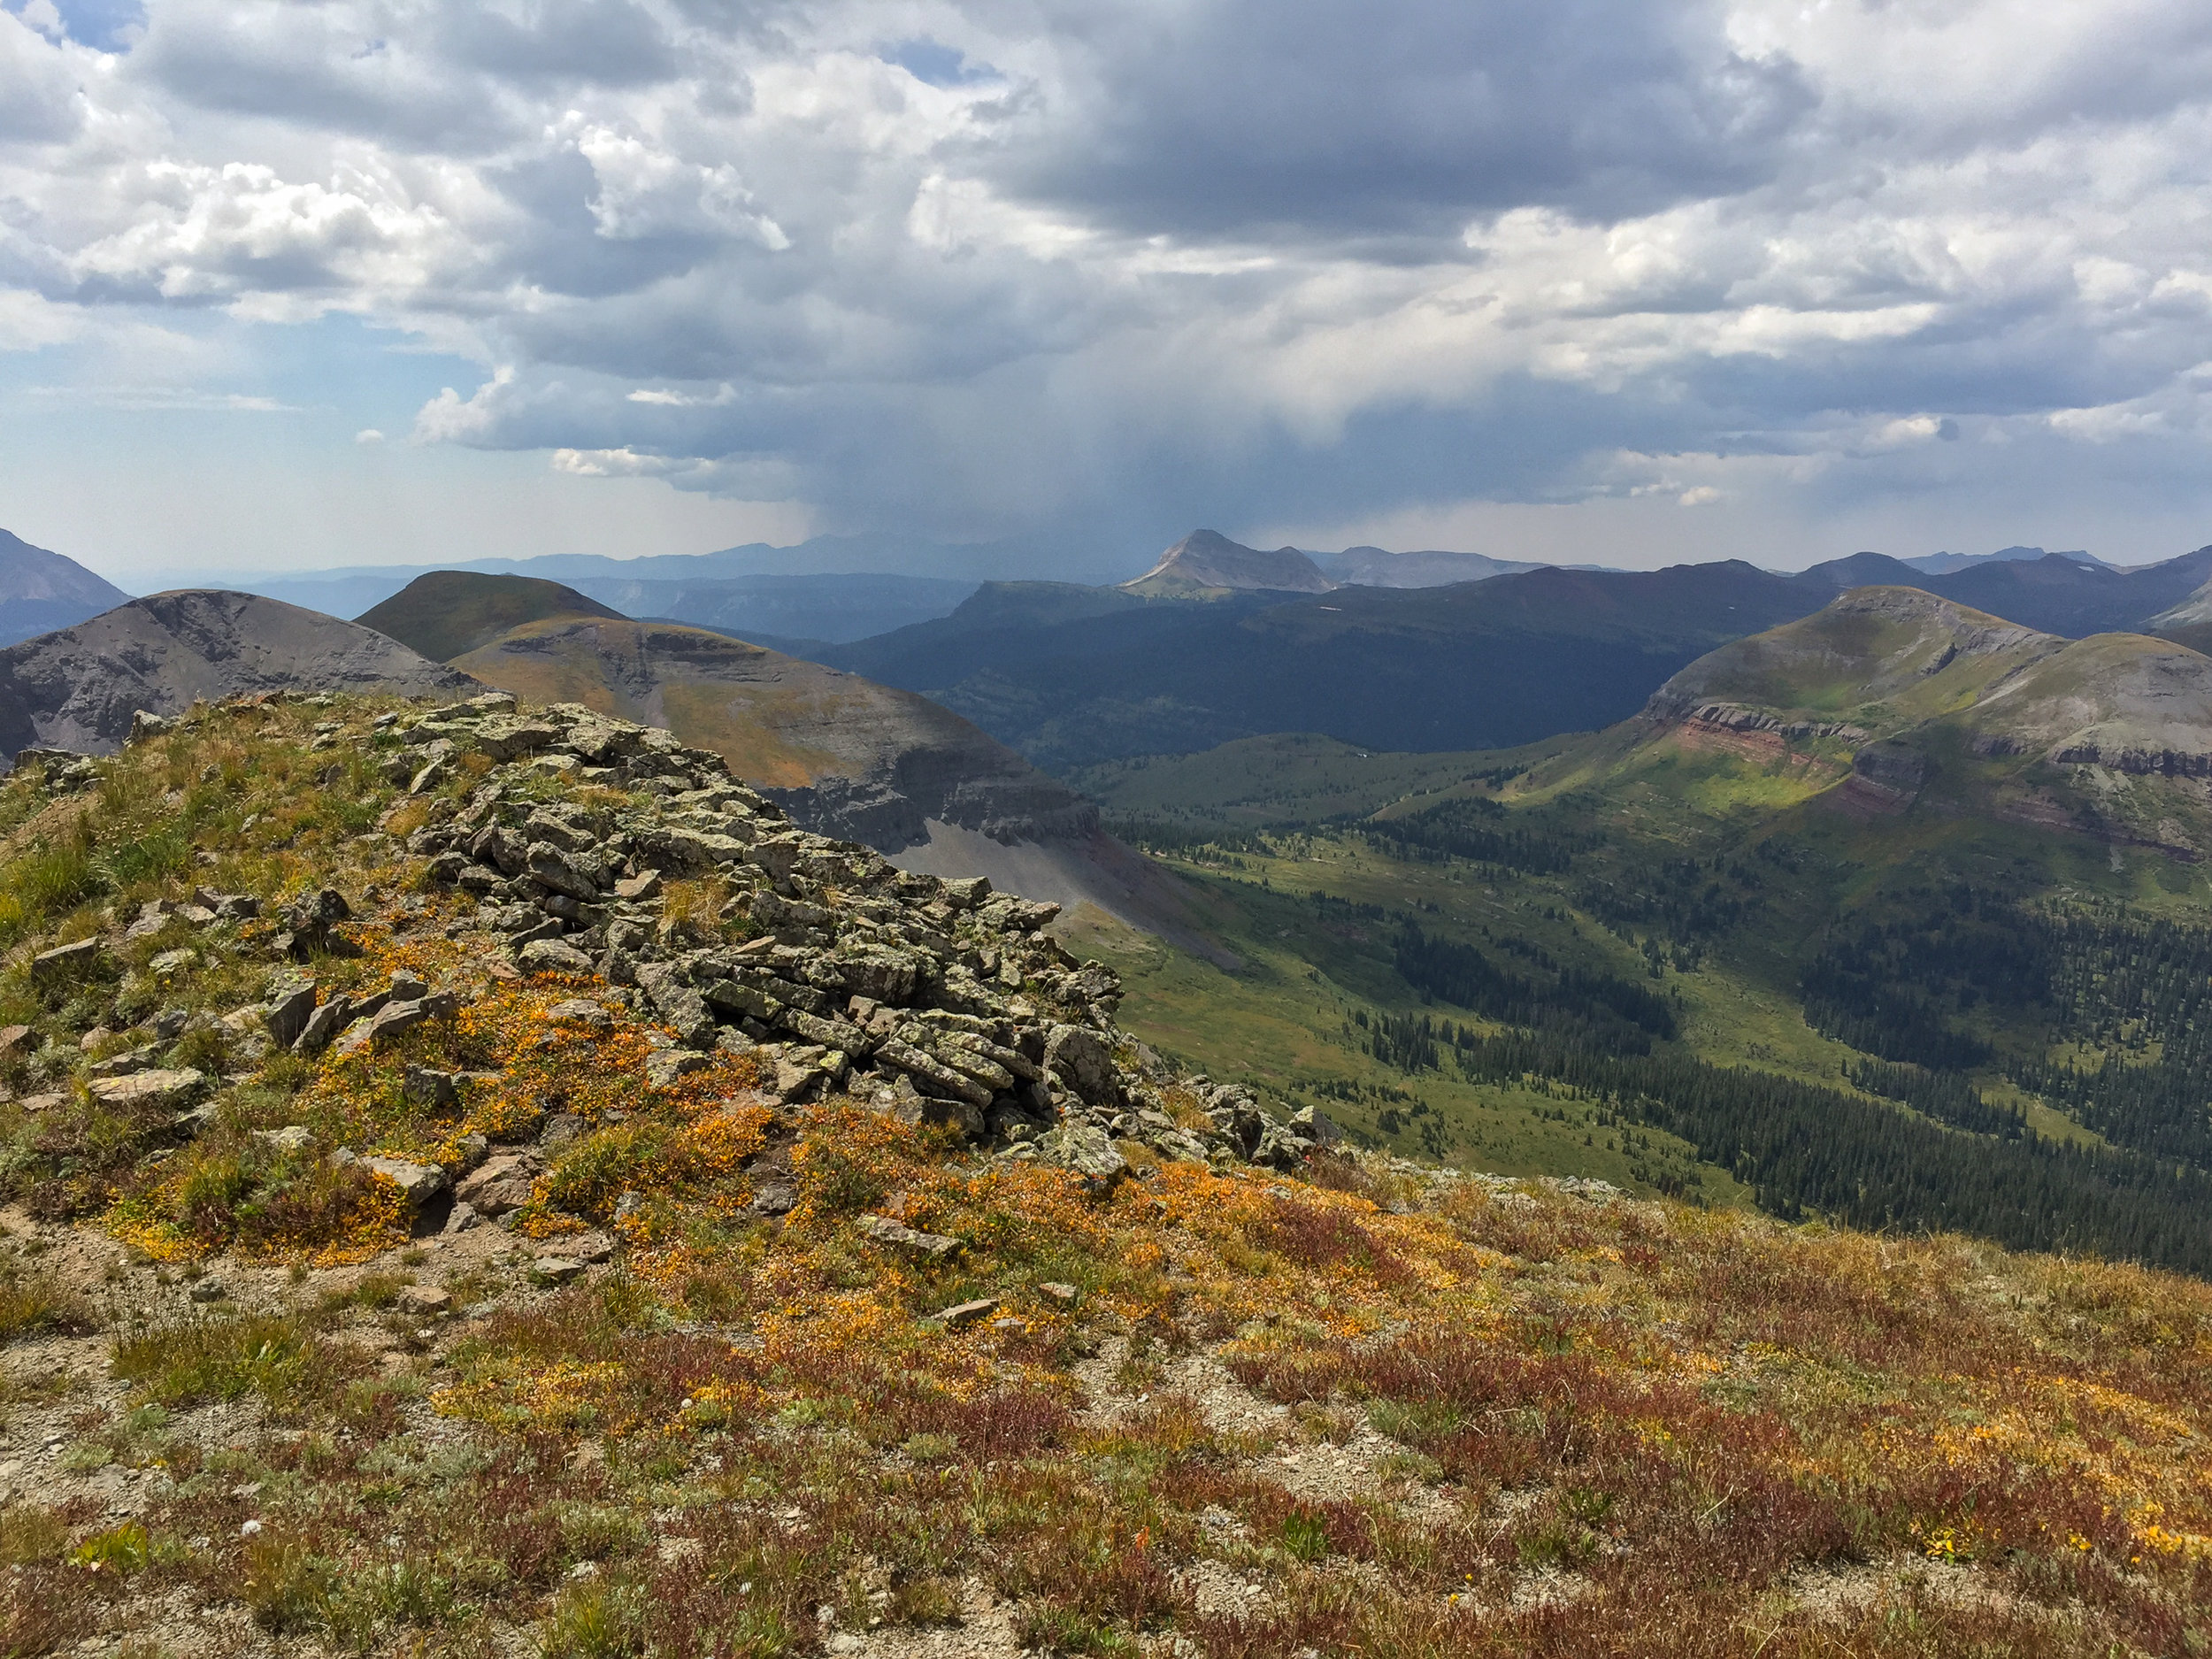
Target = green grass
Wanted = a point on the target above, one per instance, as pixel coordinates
(34, 1301)
(279, 1357)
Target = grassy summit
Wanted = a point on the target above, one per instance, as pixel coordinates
(706, 1379)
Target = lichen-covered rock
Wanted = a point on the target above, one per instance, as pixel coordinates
(1087, 1150)
(550, 956)
(897, 1235)
(164, 1088)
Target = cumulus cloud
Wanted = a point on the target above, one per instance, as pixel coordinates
(38, 99)
(980, 266)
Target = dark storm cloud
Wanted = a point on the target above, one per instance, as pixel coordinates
(1291, 118)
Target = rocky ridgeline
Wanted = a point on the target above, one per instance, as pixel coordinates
(939, 1001)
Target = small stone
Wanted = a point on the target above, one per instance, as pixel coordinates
(291, 1138)
(152, 917)
(1089, 1151)
(148, 1088)
(1064, 1294)
(462, 1217)
(665, 1067)
(589, 1248)
(291, 1003)
(774, 1198)
(120, 1064)
(966, 1313)
(321, 1023)
(418, 1183)
(424, 1299)
(425, 1086)
(209, 1290)
(638, 889)
(550, 956)
(67, 960)
(228, 906)
(898, 1235)
(14, 1038)
(583, 1011)
(388, 1021)
(556, 1269)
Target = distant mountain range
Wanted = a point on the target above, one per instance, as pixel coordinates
(1219, 641)
(1944, 563)
(1073, 676)
(1206, 563)
(41, 591)
(831, 587)
(1374, 567)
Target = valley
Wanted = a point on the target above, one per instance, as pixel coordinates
(1977, 993)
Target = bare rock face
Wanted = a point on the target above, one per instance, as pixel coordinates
(81, 687)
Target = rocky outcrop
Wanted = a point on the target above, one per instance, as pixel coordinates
(80, 689)
(2141, 763)
(1732, 717)
(939, 999)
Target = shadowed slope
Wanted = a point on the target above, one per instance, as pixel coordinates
(450, 613)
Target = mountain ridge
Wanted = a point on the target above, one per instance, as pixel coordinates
(40, 591)
(79, 688)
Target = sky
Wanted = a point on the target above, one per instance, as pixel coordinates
(288, 284)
